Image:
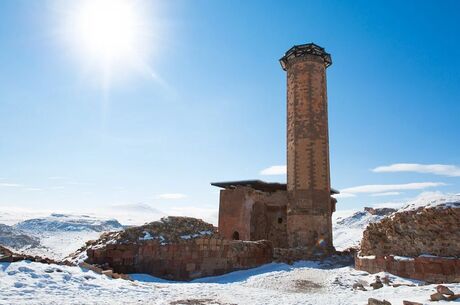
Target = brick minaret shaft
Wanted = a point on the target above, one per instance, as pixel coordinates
(309, 222)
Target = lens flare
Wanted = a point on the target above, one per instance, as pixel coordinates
(110, 39)
(321, 242)
(109, 30)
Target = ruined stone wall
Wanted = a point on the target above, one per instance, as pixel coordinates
(434, 231)
(254, 214)
(429, 269)
(422, 244)
(185, 260)
(235, 206)
(269, 222)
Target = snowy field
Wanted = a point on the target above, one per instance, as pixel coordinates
(302, 283)
(328, 283)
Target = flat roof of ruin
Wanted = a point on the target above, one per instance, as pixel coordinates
(258, 185)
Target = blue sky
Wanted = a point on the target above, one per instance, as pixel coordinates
(208, 102)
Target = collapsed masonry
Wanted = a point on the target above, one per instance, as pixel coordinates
(175, 248)
(422, 243)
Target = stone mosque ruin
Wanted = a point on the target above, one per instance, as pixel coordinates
(258, 221)
(296, 215)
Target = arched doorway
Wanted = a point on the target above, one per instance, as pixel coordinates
(236, 235)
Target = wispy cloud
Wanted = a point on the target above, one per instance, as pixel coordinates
(274, 170)
(10, 185)
(171, 196)
(77, 183)
(437, 169)
(33, 189)
(57, 188)
(385, 194)
(381, 188)
(343, 195)
(207, 214)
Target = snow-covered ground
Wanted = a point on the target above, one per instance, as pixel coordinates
(348, 227)
(433, 199)
(56, 235)
(303, 283)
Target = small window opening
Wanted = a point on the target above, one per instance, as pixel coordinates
(236, 235)
(280, 220)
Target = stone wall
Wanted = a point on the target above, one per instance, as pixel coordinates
(422, 244)
(184, 260)
(249, 214)
(434, 231)
(429, 269)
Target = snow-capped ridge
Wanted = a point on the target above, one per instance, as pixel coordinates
(16, 239)
(348, 231)
(68, 223)
(433, 200)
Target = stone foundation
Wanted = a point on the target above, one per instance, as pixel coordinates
(185, 260)
(430, 269)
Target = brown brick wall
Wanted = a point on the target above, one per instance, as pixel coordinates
(185, 260)
(255, 215)
(308, 179)
(429, 269)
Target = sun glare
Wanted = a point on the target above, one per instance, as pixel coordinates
(108, 30)
(109, 37)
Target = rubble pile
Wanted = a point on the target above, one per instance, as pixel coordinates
(171, 229)
(433, 231)
(420, 242)
(8, 256)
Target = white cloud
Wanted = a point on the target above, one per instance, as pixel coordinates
(380, 188)
(274, 170)
(385, 194)
(343, 195)
(33, 189)
(171, 196)
(437, 169)
(207, 214)
(57, 188)
(10, 185)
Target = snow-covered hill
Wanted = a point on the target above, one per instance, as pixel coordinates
(61, 234)
(348, 226)
(67, 223)
(348, 229)
(16, 239)
(433, 199)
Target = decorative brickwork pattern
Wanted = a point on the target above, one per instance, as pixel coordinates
(309, 211)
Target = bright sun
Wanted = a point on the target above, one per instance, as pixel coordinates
(109, 29)
(110, 36)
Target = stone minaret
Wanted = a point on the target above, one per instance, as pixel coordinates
(309, 223)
